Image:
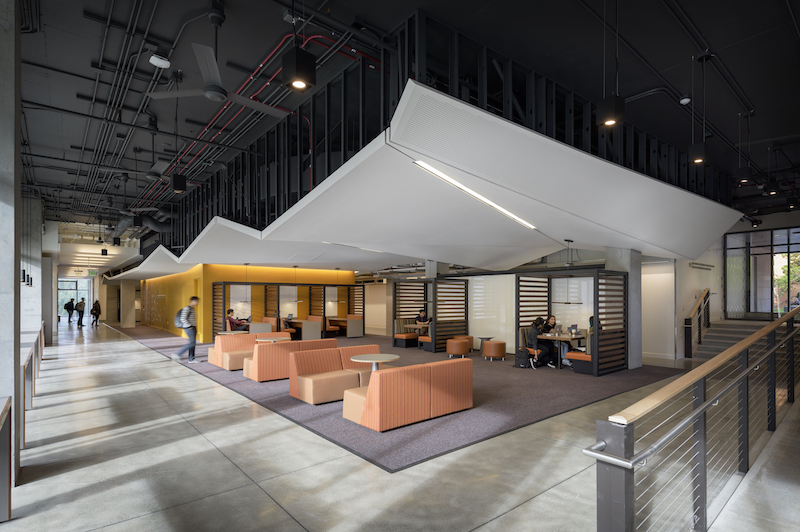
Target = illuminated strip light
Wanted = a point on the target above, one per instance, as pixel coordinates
(444, 177)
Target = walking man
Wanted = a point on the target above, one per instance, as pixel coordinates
(80, 307)
(188, 319)
(69, 306)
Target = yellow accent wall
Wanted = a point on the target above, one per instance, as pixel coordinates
(344, 299)
(303, 302)
(164, 296)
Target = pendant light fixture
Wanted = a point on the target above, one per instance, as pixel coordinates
(744, 175)
(178, 180)
(611, 110)
(246, 264)
(697, 151)
(299, 70)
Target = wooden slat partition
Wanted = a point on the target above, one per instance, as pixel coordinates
(355, 303)
(409, 298)
(218, 308)
(316, 303)
(611, 323)
(659, 397)
(451, 312)
(271, 300)
(533, 299)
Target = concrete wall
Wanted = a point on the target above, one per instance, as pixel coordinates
(658, 309)
(127, 304)
(31, 257)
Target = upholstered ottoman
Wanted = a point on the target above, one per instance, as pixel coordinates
(493, 349)
(457, 347)
(466, 337)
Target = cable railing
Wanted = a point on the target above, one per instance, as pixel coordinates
(697, 323)
(671, 460)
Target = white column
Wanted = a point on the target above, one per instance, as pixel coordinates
(10, 213)
(31, 252)
(630, 260)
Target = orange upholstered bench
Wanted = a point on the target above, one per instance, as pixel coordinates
(322, 375)
(230, 350)
(581, 362)
(400, 396)
(271, 360)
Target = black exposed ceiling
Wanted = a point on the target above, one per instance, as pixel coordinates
(756, 67)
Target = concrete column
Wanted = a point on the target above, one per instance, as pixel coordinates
(31, 252)
(630, 260)
(49, 299)
(127, 304)
(434, 269)
(10, 212)
(102, 296)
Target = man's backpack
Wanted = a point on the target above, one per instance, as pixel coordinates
(178, 320)
(522, 358)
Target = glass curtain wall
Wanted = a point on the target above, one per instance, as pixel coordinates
(74, 289)
(762, 273)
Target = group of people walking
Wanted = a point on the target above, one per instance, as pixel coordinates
(80, 307)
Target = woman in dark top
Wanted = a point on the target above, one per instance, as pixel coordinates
(96, 312)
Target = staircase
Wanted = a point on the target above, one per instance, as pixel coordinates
(723, 334)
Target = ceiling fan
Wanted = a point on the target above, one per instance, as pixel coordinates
(213, 86)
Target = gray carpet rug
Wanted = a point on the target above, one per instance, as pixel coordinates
(505, 398)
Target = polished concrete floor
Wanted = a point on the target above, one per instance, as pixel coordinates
(121, 438)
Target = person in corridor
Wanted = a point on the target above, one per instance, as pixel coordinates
(96, 311)
(188, 319)
(80, 307)
(69, 306)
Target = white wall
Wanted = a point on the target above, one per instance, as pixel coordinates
(690, 283)
(378, 309)
(658, 309)
(288, 300)
(240, 300)
(491, 309)
(579, 293)
(332, 302)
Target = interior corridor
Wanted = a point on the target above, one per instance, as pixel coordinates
(122, 438)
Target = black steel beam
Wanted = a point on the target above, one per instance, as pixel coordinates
(34, 105)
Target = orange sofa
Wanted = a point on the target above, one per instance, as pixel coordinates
(322, 375)
(230, 350)
(270, 362)
(400, 396)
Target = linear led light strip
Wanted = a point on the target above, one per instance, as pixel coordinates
(446, 178)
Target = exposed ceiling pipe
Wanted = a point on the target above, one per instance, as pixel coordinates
(124, 223)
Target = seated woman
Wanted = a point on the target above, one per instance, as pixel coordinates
(236, 325)
(562, 348)
(545, 357)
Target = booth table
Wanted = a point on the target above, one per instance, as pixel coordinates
(233, 332)
(376, 359)
(560, 338)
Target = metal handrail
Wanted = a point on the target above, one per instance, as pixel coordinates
(595, 451)
(700, 300)
(659, 397)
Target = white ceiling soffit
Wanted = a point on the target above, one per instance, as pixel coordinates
(563, 191)
(89, 257)
(158, 263)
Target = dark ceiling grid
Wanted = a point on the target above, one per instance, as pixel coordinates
(692, 25)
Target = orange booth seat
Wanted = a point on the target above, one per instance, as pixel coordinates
(230, 350)
(400, 396)
(322, 375)
(274, 322)
(328, 327)
(270, 361)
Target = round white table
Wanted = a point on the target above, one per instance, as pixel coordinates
(274, 339)
(375, 359)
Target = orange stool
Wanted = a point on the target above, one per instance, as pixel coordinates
(494, 349)
(465, 337)
(457, 347)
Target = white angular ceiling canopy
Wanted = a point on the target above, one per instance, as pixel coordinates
(456, 184)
